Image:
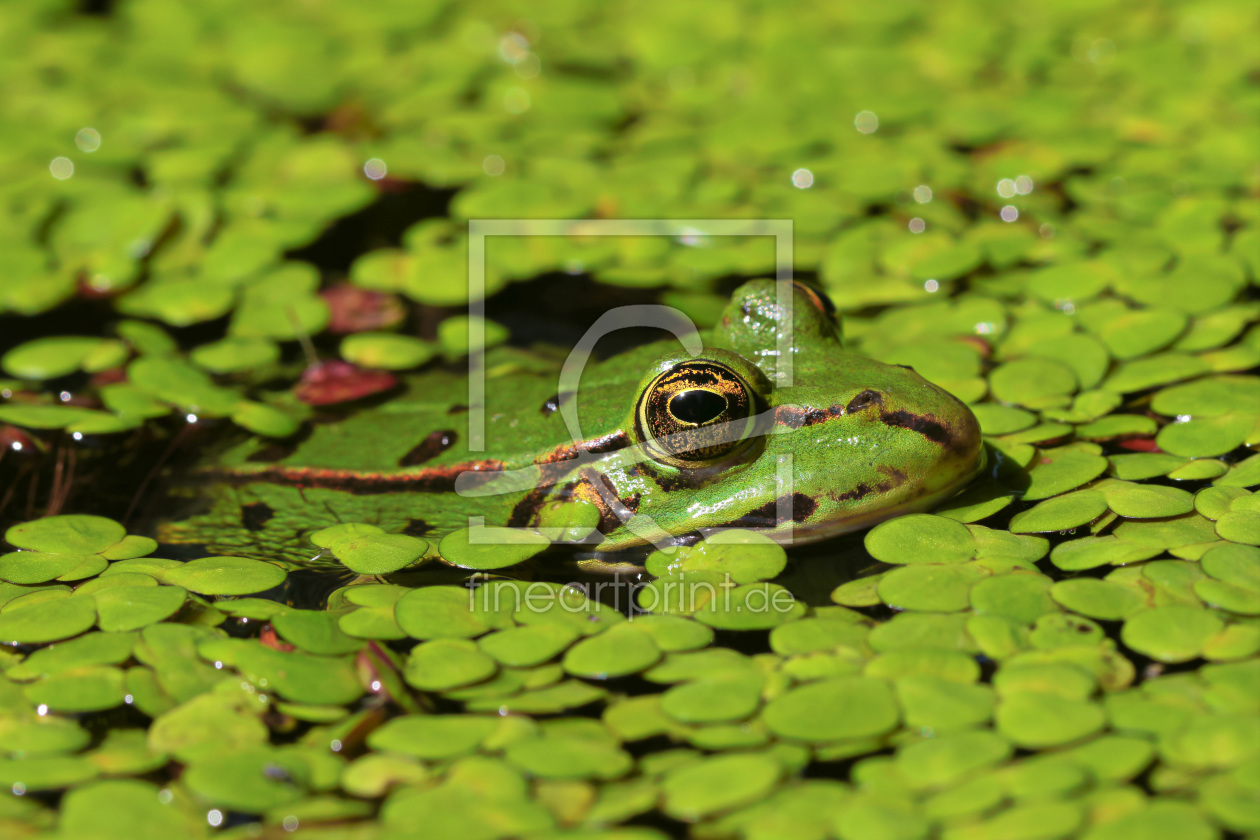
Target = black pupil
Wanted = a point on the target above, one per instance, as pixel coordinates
(697, 406)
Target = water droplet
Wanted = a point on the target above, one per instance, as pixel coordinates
(61, 168)
(493, 165)
(803, 179)
(866, 122)
(88, 140)
(375, 169)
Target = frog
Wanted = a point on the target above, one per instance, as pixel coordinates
(765, 422)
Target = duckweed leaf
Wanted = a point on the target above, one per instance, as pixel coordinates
(440, 612)
(745, 556)
(48, 620)
(37, 567)
(232, 355)
(1061, 513)
(89, 689)
(70, 534)
(522, 647)
(1032, 382)
(1145, 502)
(490, 547)
(620, 650)
(433, 737)
(844, 707)
(714, 699)
(943, 588)
(264, 419)
(131, 607)
(1036, 719)
(314, 631)
(374, 553)
(1240, 526)
(1059, 470)
(54, 356)
(225, 576)
(251, 780)
(940, 704)
(921, 538)
(1201, 437)
(1172, 633)
(386, 350)
(1101, 599)
(576, 756)
(443, 664)
(717, 784)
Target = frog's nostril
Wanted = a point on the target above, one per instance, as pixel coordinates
(905, 367)
(863, 400)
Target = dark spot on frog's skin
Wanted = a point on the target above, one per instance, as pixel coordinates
(689, 538)
(795, 417)
(429, 448)
(596, 446)
(255, 515)
(768, 514)
(553, 403)
(865, 399)
(525, 512)
(457, 409)
(608, 443)
(417, 528)
(924, 424)
(893, 477)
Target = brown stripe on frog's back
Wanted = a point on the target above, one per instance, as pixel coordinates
(611, 514)
(766, 516)
(925, 424)
(893, 477)
(596, 446)
(428, 480)
(796, 417)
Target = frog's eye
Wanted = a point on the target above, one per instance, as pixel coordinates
(818, 298)
(695, 411)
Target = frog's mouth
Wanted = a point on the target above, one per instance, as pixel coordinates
(799, 533)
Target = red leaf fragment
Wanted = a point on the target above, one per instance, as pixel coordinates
(356, 310)
(1140, 444)
(335, 381)
(269, 638)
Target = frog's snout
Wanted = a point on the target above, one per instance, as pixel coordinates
(950, 438)
(949, 423)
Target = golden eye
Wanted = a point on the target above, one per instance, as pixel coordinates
(695, 411)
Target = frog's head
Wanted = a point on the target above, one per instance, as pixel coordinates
(831, 442)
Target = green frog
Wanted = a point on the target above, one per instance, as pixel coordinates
(763, 422)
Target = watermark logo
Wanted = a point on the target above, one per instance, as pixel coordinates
(679, 594)
(689, 232)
